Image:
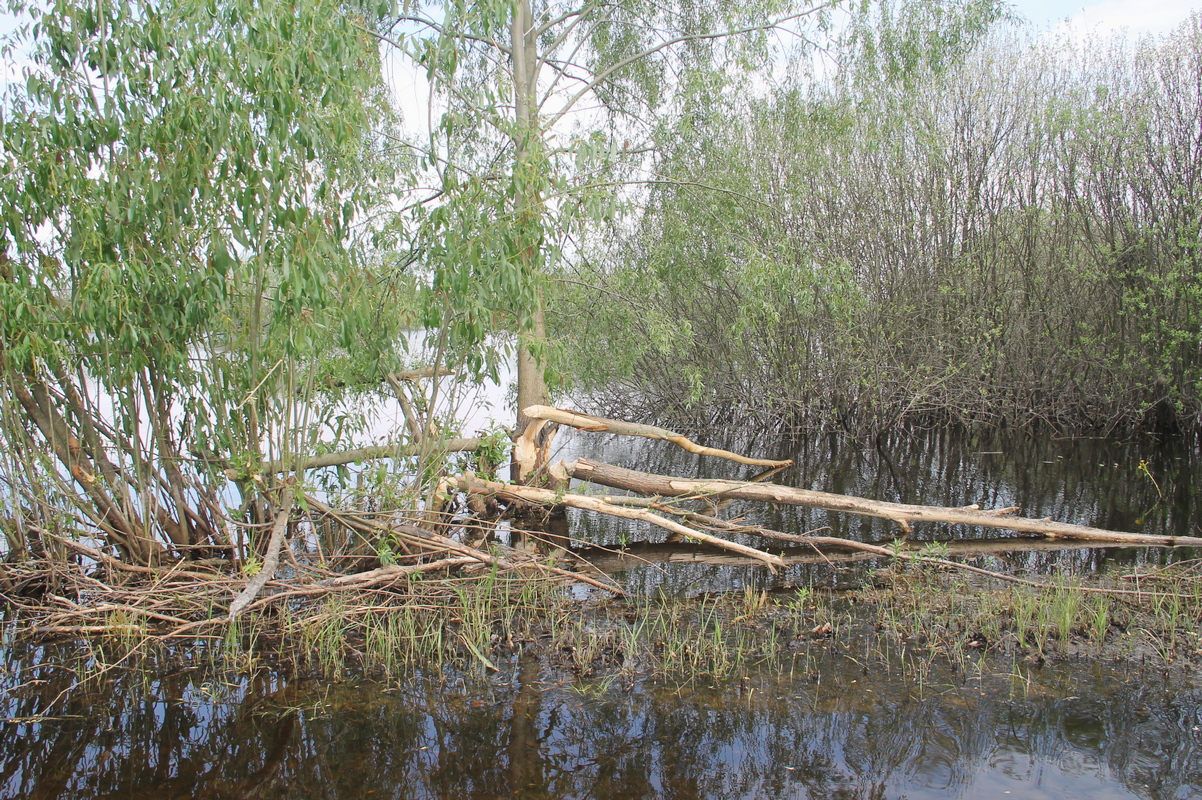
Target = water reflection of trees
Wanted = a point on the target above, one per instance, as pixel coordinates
(517, 737)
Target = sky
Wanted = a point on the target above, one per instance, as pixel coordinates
(1136, 16)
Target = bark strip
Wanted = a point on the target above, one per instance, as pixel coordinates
(271, 561)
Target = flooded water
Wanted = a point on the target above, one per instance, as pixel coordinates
(1076, 731)
(831, 724)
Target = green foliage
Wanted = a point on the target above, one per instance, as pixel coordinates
(492, 452)
(164, 157)
(517, 183)
(960, 223)
(179, 184)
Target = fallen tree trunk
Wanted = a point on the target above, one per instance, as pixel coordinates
(548, 497)
(667, 486)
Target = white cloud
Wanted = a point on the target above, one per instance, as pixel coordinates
(1136, 17)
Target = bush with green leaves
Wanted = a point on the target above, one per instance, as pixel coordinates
(180, 183)
(1002, 231)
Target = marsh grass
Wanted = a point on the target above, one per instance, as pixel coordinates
(945, 614)
(912, 619)
(420, 624)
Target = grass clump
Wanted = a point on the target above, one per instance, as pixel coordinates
(947, 614)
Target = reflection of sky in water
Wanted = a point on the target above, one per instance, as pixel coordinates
(831, 730)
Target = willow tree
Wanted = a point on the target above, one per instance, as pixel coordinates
(542, 110)
(178, 181)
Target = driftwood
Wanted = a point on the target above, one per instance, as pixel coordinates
(901, 513)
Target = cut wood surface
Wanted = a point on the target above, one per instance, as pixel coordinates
(901, 513)
(588, 422)
(532, 449)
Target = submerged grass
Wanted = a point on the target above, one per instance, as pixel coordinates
(911, 618)
(943, 613)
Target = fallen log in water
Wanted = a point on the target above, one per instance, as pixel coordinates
(472, 484)
(902, 513)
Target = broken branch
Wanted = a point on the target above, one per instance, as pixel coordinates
(588, 422)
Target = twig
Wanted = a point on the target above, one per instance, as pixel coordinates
(270, 561)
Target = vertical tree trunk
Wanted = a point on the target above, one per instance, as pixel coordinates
(532, 385)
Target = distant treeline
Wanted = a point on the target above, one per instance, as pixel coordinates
(1010, 236)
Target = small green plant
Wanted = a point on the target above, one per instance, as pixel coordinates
(1143, 467)
(492, 450)
(1099, 621)
(801, 598)
(623, 539)
(934, 551)
(1066, 602)
(1023, 605)
(386, 551)
(753, 603)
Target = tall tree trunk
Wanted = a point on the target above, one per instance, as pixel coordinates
(532, 384)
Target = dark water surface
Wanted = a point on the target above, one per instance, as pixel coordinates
(832, 726)
(1075, 731)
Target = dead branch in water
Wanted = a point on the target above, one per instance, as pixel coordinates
(903, 514)
(100, 592)
(548, 497)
